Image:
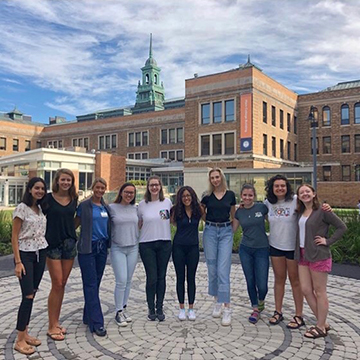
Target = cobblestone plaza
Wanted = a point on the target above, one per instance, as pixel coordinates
(204, 338)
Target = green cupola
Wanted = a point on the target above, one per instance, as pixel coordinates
(150, 94)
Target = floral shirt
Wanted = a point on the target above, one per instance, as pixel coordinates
(33, 227)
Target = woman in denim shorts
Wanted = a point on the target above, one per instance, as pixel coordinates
(60, 235)
(314, 256)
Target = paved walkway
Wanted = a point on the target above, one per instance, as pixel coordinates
(203, 339)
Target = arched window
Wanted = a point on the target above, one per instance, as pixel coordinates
(345, 118)
(357, 113)
(147, 79)
(326, 120)
(155, 79)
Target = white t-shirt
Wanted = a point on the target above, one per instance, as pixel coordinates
(33, 227)
(302, 222)
(155, 216)
(283, 224)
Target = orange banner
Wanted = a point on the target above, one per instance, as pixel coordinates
(245, 116)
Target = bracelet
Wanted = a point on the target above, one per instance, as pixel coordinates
(17, 262)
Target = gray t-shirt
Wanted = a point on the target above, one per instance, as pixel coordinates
(283, 224)
(124, 224)
(252, 221)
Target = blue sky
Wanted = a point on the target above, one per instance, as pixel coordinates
(69, 58)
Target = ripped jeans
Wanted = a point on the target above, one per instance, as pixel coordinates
(217, 242)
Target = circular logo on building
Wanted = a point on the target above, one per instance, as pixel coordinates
(246, 144)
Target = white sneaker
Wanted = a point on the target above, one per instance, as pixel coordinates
(120, 319)
(126, 316)
(182, 315)
(217, 310)
(226, 318)
(191, 315)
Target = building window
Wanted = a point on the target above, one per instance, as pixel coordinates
(139, 138)
(180, 135)
(27, 145)
(295, 124)
(173, 155)
(289, 150)
(288, 126)
(345, 144)
(82, 142)
(326, 173)
(346, 174)
(38, 144)
(205, 145)
(281, 148)
(216, 144)
(281, 119)
(326, 116)
(357, 113)
(2, 143)
(164, 137)
(357, 172)
(264, 112)
(317, 146)
(108, 141)
(15, 145)
(327, 145)
(85, 180)
(138, 156)
(357, 143)
(273, 146)
(229, 110)
(205, 114)
(345, 118)
(229, 143)
(265, 152)
(295, 152)
(273, 116)
(172, 136)
(217, 112)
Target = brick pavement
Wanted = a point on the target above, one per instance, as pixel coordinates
(203, 339)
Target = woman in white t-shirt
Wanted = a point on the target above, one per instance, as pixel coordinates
(29, 248)
(155, 244)
(281, 203)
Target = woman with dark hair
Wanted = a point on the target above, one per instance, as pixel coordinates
(185, 215)
(29, 249)
(60, 235)
(254, 248)
(281, 203)
(313, 252)
(124, 247)
(93, 216)
(155, 244)
(219, 205)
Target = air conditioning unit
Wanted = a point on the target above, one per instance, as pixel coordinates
(50, 146)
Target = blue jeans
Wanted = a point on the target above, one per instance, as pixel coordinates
(255, 264)
(92, 268)
(123, 261)
(217, 242)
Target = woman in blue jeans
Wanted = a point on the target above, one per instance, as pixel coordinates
(219, 206)
(124, 248)
(93, 215)
(254, 249)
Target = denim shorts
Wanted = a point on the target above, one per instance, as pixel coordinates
(65, 251)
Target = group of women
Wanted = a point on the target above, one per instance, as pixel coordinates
(44, 231)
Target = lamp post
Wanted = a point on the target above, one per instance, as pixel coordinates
(314, 124)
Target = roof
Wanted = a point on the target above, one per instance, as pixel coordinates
(343, 86)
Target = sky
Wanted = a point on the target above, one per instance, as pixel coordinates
(67, 58)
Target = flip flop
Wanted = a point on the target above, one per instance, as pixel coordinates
(62, 329)
(297, 323)
(25, 350)
(55, 336)
(33, 341)
(315, 333)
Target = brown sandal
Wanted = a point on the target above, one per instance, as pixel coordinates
(62, 330)
(276, 318)
(296, 323)
(33, 341)
(25, 350)
(314, 333)
(55, 336)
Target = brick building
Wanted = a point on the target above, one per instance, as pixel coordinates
(241, 120)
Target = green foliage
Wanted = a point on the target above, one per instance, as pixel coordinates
(138, 182)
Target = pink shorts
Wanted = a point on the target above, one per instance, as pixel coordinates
(320, 266)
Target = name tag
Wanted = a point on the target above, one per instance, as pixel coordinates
(104, 214)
